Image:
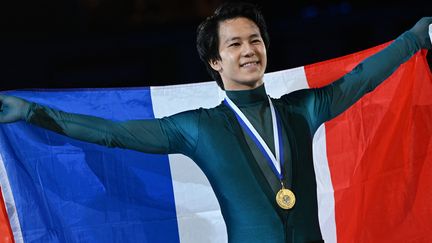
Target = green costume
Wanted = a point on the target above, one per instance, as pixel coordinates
(241, 178)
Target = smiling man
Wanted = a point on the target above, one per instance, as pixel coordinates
(256, 151)
(242, 53)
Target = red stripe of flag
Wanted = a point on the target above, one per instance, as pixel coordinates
(380, 154)
(5, 229)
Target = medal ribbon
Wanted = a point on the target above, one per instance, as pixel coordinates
(275, 162)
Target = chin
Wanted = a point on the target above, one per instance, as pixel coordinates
(253, 83)
(256, 81)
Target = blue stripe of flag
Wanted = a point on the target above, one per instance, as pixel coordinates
(71, 191)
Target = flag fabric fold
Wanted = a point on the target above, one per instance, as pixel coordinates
(373, 165)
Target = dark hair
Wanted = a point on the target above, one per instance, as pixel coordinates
(208, 31)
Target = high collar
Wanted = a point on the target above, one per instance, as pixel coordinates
(248, 97)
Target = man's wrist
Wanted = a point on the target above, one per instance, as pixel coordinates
(27, 110)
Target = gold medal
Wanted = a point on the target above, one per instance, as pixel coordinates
(285, 198)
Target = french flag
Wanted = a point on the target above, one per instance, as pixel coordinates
(373, 165)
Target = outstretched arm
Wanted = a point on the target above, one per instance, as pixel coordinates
(329, 101)
(175, 134)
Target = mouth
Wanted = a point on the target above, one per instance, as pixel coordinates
(250, 64)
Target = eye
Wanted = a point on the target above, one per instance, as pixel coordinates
(234, 44)
(256, 41)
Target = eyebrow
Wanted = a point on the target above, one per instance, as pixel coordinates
(238, 38)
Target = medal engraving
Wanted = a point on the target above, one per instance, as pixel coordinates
(285, 198)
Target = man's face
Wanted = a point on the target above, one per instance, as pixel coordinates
(243, 54)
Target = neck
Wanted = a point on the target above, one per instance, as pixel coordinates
(239, 87)
(250, 96)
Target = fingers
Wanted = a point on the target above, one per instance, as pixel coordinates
(1, 102)
(10, 109)
(430, 32)
(2, 99)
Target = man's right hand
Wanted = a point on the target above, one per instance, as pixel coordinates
(12, 109)
(421, 31)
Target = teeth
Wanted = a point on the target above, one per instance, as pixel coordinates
(249, 64)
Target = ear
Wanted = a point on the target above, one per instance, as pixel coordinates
(216, 65)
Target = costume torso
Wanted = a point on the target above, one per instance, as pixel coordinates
(243, 180)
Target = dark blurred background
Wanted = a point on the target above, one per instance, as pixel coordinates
(122, 43)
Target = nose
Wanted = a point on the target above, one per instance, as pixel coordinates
(248, 50)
